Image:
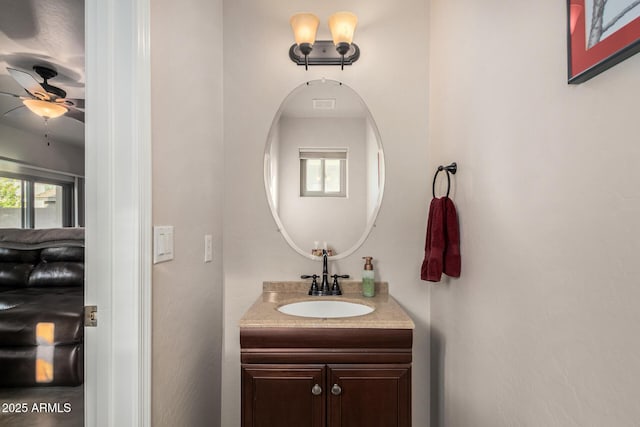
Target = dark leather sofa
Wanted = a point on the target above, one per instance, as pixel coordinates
(41, 307)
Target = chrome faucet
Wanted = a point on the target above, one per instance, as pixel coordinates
(324, 287)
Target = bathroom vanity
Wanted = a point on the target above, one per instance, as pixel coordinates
(325, 371)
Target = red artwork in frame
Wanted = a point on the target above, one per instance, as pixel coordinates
(600, 34)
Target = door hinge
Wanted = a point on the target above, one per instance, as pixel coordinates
(91, 316)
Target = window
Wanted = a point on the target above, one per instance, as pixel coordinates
(48, 205)
(27, 202)
(11, 191)
(323, 173)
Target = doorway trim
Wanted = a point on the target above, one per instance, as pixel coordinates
(118, 216)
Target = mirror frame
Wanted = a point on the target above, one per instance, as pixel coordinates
(266, 172)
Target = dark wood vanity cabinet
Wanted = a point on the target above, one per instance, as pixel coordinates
(342, 378)
(283, 395)
(369, 396)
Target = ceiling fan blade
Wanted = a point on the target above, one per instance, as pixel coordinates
(10, 94)
(72, 102)
(27, 81)
(13, 109)
(72, 113)
(77, 102)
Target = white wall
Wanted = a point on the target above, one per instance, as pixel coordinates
(16, 144)
(392, 80)
(542, 327)
(186, 84)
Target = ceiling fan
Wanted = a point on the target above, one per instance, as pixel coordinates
(44, 99)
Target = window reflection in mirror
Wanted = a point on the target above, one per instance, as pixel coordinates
(323, 173)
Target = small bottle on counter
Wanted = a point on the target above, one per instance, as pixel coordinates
(368, 283)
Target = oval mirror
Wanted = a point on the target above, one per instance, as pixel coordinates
(324, 169)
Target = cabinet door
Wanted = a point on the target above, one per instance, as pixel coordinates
(369, 395)
(283, 396)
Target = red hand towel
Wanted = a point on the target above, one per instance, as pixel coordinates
(442, 243)
(434, 243)
(452, 236)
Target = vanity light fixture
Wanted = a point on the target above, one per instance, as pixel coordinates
(46, 109)
(308, 51)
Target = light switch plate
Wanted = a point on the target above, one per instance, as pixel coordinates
(162, 243)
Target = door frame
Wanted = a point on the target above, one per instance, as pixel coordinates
(118, 212)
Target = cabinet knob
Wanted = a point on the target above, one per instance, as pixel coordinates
(336, 390)
(316, 390)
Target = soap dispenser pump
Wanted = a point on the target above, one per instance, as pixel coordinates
(368, 283)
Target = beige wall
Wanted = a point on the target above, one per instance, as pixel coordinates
(392, 80)
(542, 328)
(186, 83)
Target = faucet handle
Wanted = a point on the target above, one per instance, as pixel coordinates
(335, 288)
(314, 284)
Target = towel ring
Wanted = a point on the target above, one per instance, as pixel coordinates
(453, 168)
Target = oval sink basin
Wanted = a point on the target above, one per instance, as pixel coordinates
(325, 309)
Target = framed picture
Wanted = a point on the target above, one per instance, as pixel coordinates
(600, 33)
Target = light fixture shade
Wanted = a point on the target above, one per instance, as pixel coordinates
(305, 26)
(46, 109)
(342, 26)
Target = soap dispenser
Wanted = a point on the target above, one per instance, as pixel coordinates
(368, 283)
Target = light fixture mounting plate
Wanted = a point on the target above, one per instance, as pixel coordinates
(324, 53)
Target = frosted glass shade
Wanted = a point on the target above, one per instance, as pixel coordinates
(305, 26)
(342, 26)
(46, 109)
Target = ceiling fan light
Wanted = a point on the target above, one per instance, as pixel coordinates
(45, 109)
